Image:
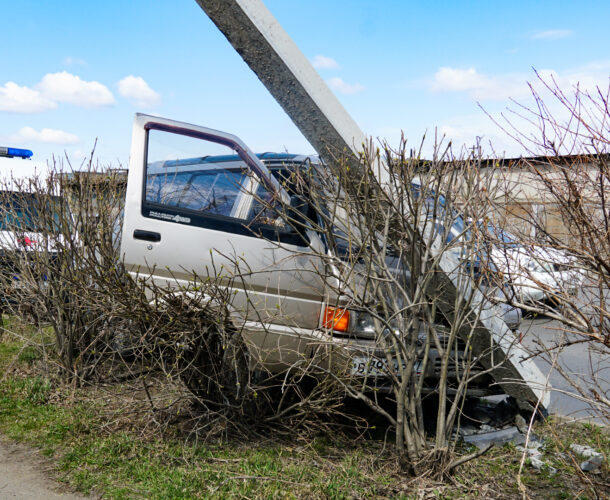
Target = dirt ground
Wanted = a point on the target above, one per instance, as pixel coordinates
(24, 474)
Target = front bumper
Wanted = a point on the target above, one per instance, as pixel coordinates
(277, 349)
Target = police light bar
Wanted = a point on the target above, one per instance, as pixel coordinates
(12, 152)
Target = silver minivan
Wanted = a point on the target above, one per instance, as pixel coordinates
(193, 208)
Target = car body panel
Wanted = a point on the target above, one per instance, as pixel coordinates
(273, 283)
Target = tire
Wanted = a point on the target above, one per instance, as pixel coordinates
(235, 373)
(214, 365)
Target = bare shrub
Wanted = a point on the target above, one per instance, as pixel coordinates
(63, 268)
(410, 338)
(60, 258)
(568, 132)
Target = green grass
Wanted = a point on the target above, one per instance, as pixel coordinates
(93, 453)
(123, 466)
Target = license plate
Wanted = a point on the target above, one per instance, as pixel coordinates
(377, 367)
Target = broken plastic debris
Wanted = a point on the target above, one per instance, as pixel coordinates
(595, 457)
(584, 451)
(534, 454)
(540, 465)
(531, 452)
(496, 437)
(592, 464)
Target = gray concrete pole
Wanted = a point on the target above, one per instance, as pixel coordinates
(294, 83)
(288, 75)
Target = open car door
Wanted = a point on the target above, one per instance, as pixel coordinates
(200, 204)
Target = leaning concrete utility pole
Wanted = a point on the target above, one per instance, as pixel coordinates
(260, 40)
(296, 86)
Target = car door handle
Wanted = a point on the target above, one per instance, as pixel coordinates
(140, 234)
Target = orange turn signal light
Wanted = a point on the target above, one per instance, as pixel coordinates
(336, 319)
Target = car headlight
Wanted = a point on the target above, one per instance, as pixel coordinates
(358, 324)
(363, 325)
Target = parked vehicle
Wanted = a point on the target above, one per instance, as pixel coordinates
(23, 232)
(536, 273)
(193, 209)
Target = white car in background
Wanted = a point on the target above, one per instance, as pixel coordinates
(536, 273)
(19, 204)
(21, 231)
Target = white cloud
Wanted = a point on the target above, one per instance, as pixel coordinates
(499, 87)
(586, 79)
(69, 88)
(339, 85)
(479, 86)
(70, 61)
(477, 130)
(136, 89)
(79, 153)
(54, 88)
(552, 34)
(46, 135)
(17, 99)
(458, 80)
(520, 123)
(463, 132)
(323, 62)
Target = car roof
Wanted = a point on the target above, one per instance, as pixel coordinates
(271, 160)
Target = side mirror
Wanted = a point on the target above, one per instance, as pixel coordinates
(296, 221)
(297, 202)
(299, 209)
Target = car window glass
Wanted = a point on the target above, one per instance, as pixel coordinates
(214, 191)
(205, 178)
(265, 208)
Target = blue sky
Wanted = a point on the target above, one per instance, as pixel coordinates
(72, 72)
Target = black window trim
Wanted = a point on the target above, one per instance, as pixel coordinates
(224, 223)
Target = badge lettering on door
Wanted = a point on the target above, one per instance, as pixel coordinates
(173, 218)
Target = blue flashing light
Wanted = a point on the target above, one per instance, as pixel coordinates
(15, 152)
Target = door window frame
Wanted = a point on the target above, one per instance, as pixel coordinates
(211, 221)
